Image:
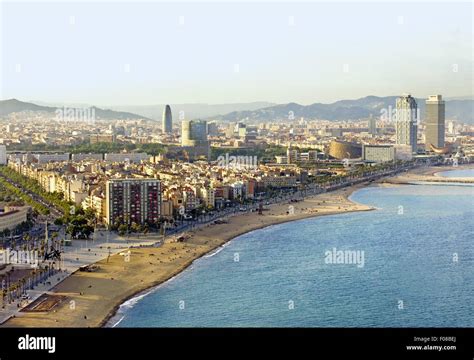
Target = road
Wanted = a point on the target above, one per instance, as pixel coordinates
(54, 211)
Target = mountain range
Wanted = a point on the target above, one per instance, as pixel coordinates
(155, 112)
(193, 111)
(13, 105)
(461, 110)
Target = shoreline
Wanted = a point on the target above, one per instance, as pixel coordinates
(146, 291)
(349, 191)
(429, 174)
(98, 296)
(96, 300)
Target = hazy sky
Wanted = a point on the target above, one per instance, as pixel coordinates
(130, 53)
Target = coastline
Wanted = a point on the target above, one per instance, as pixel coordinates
(347, 194)
(427, 174)
(93, 299)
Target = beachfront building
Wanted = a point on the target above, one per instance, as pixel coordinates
(190, 200)
(279, 181)
(130, 201)
(237, 191)
(435, 127)
(406, 121)
(378, 153)
(208, 196)
(167, 209)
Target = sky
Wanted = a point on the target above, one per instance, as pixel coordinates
(129, 53)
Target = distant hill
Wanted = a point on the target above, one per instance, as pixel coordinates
(461, 110)
(13, 105)
(192, 111)
(457, 109)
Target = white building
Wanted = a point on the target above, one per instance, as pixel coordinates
(452, 127)
(208, 196)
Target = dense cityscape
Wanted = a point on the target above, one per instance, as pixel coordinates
(138, 176)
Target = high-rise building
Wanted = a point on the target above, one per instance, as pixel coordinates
(452, 127)
(241, 130)
(167, 121)
(372, 125)
(406, 121)
(291, 155)
(212, 128)
(230, 131)
(194, 138)
(434, 130)
(3, 155)
(130, 201)
(193, 132)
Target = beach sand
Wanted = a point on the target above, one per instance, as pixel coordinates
(91, 298)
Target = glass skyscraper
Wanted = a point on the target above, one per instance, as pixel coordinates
(406, 121)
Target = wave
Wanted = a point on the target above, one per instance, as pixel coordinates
(118, 322)
(218, 250)
(130, 303)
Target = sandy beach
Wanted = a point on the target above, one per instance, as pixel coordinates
(89, 299)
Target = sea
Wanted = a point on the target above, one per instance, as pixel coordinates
(408, 263)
